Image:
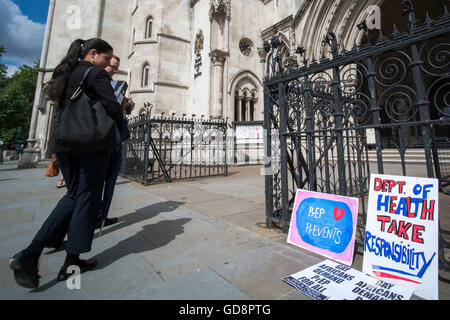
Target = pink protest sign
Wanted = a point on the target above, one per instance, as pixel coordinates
(324, 224)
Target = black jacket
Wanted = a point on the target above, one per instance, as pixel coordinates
(98, 87)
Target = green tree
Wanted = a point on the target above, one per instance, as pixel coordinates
(3, 69)
(16, 102)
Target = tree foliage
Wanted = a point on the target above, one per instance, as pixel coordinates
(16, 100)
(2, 69)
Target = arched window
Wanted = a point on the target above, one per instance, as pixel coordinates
(245, 98)
(149, 28)
(145, 75)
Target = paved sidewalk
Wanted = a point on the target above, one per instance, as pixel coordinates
(195, 240)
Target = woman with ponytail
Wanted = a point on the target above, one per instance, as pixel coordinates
(84, 172)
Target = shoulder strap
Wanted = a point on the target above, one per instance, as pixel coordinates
(81, 85)
(85, 75)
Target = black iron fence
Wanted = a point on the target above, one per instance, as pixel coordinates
(168, 148)
(319, 115)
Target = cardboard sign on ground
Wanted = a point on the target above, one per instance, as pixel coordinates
(324, 224)
(401, 239)
(330, 280)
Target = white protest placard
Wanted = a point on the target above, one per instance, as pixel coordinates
(401, 239)
(329, 280)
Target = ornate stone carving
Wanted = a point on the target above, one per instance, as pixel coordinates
(216, 6)
(199, 41)
(218, 57)
(245, 45)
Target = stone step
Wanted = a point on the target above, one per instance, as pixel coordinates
(407, 161)
(408, 151)
(412, 156)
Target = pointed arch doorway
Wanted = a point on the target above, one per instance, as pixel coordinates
(245, 89)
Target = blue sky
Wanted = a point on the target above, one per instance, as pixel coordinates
(35, 10)
(22, 30)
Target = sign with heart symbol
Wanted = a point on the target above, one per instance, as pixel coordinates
(324, 224)
(338, 213)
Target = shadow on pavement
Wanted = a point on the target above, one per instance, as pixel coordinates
(155, 236)
(152, 236)
(141, 215)
(132, 218)
(44, 287)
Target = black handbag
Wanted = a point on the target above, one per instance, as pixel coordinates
(84, 125)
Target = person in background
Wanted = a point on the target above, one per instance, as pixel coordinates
(84, 172)
(1, 152)
(116, 158)
(61, 183)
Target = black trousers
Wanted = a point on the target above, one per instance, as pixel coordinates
(110, 181)
(75, 214)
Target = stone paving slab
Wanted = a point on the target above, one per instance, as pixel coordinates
(258, 273)
(249, 220)
(231, 189)
(14, 216)
(191, 286)
(225, 207)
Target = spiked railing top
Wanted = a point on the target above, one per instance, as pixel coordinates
(275, 67)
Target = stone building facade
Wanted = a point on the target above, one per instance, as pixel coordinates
(201, 58)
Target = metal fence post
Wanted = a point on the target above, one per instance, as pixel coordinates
(283, 153)
(375, 109)
(310, 140)
(148, 132)
(268, 157)
(424, 107)
(338, 117)
(422, 100)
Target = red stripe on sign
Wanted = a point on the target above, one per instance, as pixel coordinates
(391, 276)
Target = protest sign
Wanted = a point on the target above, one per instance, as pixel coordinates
(324, 224)
(401, 239)
(330, 280)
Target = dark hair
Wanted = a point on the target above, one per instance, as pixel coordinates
(77, 51)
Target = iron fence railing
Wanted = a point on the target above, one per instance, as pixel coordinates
(318, 115)
(168, 148)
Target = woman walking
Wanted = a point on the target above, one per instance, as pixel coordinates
(84, 172)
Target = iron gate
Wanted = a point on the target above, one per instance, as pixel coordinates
(319, 114)
(168, 148)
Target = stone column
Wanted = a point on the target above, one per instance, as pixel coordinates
(218, 58)
(255, 102)
(262, 58)
(247, 109)
(239, 109)
(32, 152)
(243, 111)
(99, 18)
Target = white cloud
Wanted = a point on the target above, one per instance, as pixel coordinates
(21, 37)
(11, 70)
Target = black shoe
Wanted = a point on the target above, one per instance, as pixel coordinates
(25, 270)
(108, 222)
(84, 265)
